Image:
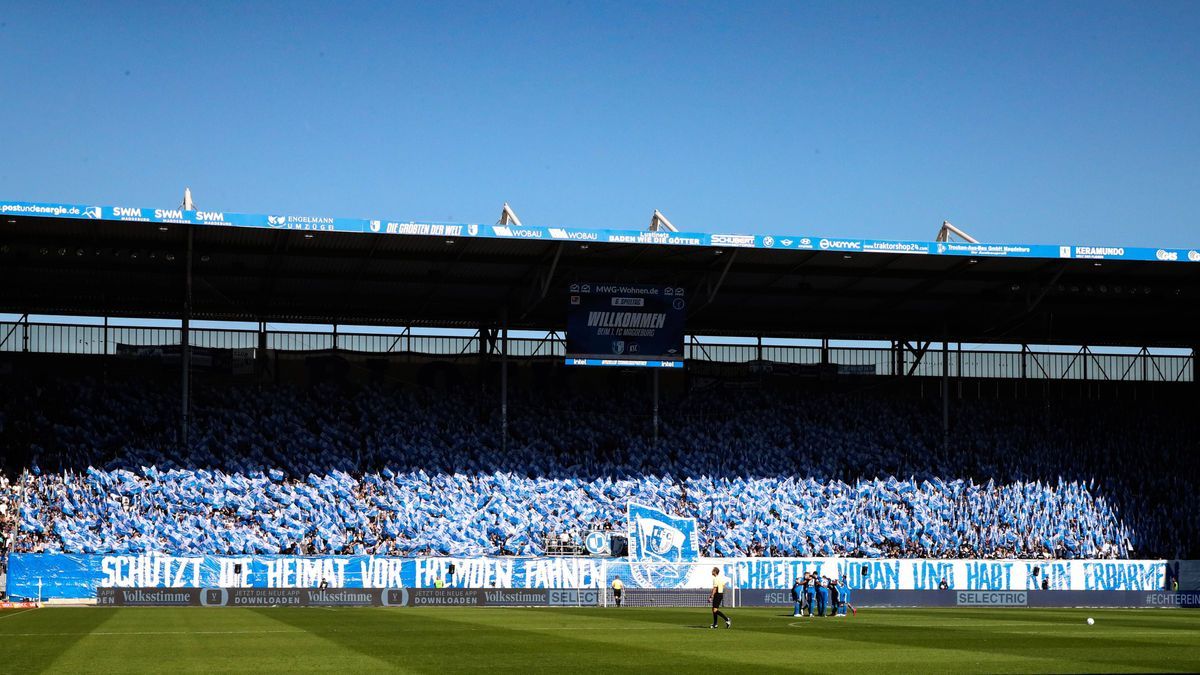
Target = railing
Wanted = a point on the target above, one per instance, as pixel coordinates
(9, 538)
(1080, 364)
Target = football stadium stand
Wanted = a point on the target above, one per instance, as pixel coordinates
(411, 471)
(8, 518)
(239, 440)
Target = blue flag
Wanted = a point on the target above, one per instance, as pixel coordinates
(656, 536)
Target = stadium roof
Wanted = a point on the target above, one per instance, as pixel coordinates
(116, 261)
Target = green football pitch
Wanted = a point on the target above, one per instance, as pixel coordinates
(436, 640)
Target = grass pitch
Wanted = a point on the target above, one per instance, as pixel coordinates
(443, 639)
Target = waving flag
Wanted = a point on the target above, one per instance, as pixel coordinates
(656, 536)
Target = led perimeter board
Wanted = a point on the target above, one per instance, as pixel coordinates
(625, 325)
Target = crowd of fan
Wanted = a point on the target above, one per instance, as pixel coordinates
(373, 469)
(415, 513)
(8, 518)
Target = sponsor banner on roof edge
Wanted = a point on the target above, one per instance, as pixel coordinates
(583, 236)
(59, 575)
(877, 246)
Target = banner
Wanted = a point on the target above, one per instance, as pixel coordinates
(235, 361)
(625, 322)
(56, 575)
(504, 597)
(655, 536)
(971, 575)
(860, 599)
(148, 597)
(346, 597)
(584, 597)
(793, 242)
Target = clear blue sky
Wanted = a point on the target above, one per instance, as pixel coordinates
(1022, 122)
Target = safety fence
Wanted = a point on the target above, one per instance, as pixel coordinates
(912, 359)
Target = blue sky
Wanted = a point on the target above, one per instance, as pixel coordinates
(1020, 122)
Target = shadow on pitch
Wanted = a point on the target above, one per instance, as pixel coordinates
(447, 639)
(33, 641)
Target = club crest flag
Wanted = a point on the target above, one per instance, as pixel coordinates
(656, 536)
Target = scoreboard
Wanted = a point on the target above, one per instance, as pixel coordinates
(625, 325)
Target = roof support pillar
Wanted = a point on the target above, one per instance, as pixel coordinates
(945, 394)
(541, 286)
(508, 216)
(260, 354)
(24, 323)
(484, 360)
(185, 346)
(659, 223)
(655, 406)
(947, 231)
(1196, 368)
(504, 379)
(104, 348)
(918, 354)
(713, 285)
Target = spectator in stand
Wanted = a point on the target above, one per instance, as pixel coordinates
(406, 472)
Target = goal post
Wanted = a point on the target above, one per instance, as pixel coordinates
(667, 584)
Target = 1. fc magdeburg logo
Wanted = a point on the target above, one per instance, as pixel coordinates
(660, 575)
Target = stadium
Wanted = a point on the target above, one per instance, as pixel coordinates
(267, 441)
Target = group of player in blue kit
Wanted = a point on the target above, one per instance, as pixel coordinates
(819, 594)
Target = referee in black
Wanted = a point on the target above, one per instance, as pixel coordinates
(718, 596)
